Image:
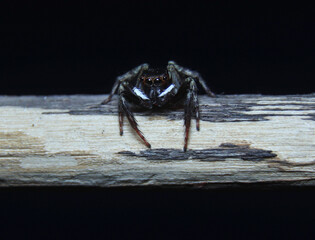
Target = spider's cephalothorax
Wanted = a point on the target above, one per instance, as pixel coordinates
(151, 88)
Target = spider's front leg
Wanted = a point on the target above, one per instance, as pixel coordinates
(191, 106)
(124, 109)
(193, 74)
(123, 78)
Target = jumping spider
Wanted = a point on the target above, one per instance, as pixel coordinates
(152, 88)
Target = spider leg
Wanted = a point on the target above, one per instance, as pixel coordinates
(124, 109)
(196, 110)
(191, 106)
(125, 77)
(121, 120)
(193, 74)
(114, 89)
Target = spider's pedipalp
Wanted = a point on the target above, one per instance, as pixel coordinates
(167, 90)
(139, 93)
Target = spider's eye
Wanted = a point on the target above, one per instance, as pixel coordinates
(149, 81)
(157, 80)
(141, 78)
(164, 78)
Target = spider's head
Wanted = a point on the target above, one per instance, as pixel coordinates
(154, 82)
(154, 78)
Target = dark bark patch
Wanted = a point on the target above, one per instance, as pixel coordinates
(223, 152)
(236, 108)
(224, 108)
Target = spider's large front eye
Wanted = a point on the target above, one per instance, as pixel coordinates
(148, 81)
(157, 81)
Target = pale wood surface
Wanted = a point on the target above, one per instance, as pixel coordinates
(60, 141)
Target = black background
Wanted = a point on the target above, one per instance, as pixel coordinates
(69, 47)
(76, 47)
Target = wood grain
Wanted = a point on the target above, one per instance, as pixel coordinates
(62, 141)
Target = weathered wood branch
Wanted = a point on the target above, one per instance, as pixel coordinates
(61, 141)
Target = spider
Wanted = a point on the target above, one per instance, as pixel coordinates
(158, 88)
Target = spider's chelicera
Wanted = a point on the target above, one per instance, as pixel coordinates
(152, 88)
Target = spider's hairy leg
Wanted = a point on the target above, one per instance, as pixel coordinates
(176, 80)
(124, 109)
(191, 106)
(205, 86)
(193, 74)
(114, 89)
(121, 120)
(125, 77)
(196, 108)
